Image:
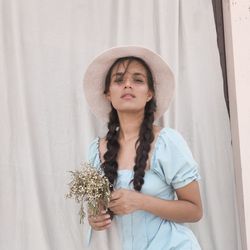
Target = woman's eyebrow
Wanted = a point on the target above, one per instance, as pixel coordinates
(134, 74)
(117, 74)
(139, 74)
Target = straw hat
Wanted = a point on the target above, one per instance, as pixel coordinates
(96, 72)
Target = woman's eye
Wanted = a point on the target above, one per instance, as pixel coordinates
(138, 80)
(118, 80)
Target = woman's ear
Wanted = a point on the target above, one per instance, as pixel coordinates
(108, 96)
(150, 96)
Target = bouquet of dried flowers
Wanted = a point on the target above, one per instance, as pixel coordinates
(89, 184)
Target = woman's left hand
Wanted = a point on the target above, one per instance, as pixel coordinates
(124, 201)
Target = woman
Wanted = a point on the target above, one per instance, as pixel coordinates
(131, 87)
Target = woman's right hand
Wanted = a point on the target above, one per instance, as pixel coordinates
(100, 222)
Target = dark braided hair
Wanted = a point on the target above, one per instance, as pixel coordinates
(146, 135)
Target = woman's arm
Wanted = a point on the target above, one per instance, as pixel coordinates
(188, 207)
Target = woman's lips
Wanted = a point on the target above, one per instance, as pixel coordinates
(128, 96)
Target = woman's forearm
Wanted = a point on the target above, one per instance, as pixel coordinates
(180, 211)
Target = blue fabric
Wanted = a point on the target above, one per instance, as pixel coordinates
(172, 167)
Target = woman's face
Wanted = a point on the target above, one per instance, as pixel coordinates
(129, 92)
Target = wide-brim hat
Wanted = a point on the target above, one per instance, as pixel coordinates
(94, 79)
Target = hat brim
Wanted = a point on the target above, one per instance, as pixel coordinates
(96, 72)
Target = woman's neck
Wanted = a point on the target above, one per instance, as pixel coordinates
(129, 126)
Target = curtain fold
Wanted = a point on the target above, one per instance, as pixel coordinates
(46, 126)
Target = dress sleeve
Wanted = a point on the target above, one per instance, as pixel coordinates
(174, 161)
(93, 153)
(93, 159)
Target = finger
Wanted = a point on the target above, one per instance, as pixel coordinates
(115, 195)
(99, 218)
(94, 223)
(112, 205)
(102, 228)
(101, 225)
(104, 212)
(116, 211)
(115, 198)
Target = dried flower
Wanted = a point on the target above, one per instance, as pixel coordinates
(89, 184)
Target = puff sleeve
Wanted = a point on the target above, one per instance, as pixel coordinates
(93, 153)
(93, 159)
(173, 159)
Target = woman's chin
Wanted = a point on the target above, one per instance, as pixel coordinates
(130, 110)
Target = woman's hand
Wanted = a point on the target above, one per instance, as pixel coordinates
(124, 201)
(100, 222)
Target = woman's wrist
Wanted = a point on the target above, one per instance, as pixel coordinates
(140, 199)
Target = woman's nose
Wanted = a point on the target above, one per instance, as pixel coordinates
(127, 83)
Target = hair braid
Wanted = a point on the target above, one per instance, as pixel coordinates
(110, 164)
(146, 137)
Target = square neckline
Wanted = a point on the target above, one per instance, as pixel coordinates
(127, 169)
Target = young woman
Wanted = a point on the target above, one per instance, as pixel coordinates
(152, 170)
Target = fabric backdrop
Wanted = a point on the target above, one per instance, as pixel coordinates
(46, 126)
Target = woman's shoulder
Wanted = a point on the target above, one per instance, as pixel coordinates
(98, 147)
(168, 134)
(93, 145)
(93, 151)
(170, 139)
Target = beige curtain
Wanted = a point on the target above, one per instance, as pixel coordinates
(46, 126)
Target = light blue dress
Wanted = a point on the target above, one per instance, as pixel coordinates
(172, 166)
